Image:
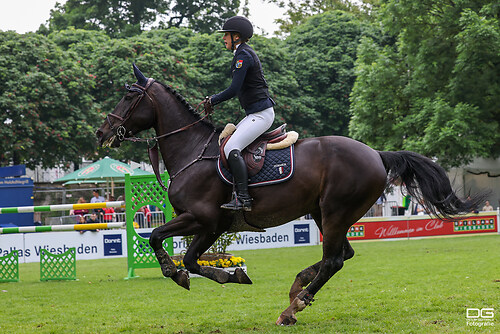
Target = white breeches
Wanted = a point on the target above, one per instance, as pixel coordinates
(249, 129)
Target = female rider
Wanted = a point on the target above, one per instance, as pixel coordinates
(249, 85)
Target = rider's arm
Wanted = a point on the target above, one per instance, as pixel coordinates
(243, 62)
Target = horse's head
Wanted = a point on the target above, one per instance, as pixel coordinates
(133, 114)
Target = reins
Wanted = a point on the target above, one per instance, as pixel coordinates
(136, 139)
(153, 150)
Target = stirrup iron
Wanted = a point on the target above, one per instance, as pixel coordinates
(238, 203)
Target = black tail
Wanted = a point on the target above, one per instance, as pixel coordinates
(428, 183)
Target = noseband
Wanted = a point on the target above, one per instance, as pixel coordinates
(120, 131)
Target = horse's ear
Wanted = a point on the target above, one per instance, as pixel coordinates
(141, 79)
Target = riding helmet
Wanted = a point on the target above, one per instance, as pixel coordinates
(240, 25)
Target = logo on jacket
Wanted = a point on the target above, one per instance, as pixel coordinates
(239, 63)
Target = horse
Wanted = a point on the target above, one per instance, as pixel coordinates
(336, 181)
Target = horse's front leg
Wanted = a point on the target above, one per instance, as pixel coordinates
(184, 224)
(198, 246)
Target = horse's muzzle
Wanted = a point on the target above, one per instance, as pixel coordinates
(107, 140)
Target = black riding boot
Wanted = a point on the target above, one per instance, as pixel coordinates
(241, 198)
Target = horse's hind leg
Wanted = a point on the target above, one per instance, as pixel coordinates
(303, 279)
(307, 275)
(333, 261)
(348, 250)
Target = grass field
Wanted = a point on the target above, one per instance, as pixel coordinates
(406, 286)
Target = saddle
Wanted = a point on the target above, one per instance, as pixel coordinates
(255, 153)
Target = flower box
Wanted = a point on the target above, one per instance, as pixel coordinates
(227, 262)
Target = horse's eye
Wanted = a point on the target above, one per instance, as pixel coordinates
(128, 97)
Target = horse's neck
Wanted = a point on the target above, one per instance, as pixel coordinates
(180, 149)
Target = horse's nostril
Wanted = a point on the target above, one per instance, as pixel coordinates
(98, 133)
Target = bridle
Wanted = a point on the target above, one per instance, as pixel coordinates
(120, 131)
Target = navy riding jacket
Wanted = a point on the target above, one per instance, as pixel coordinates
(248, 82)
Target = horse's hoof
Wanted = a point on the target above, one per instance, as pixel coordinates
(181, 277)
(284, 320)
(242, 276)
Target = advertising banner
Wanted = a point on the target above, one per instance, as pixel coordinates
(89, 245)
(421, 226)
(113, 243)
(295, 233)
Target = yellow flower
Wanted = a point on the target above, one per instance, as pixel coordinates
(233, 261)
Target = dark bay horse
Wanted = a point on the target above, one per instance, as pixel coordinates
(336, 180)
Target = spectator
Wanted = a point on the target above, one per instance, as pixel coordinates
(419, 209)
(93, 219)
(140, 216)
(108, 214)
(472, 209)
(80, 212)
(96, 198)
(379, 205)
(120, 198)
(81, 220)
(147, 214)
(487, 206)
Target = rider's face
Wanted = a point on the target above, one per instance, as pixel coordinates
(227, 39)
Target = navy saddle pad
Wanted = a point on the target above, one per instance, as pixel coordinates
(279, 166)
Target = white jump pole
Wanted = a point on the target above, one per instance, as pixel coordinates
(58, 228)
(62, 207)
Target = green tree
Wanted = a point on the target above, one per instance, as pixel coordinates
(297, 12)
(436, 89)
(47, 110)
(207, 54)
(284, 87)
(376, 111)
(201, 16)
(112, 67)
(322, 55)
(116, 17)
(131, 17)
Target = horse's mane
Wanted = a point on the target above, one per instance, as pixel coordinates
(185, 103)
